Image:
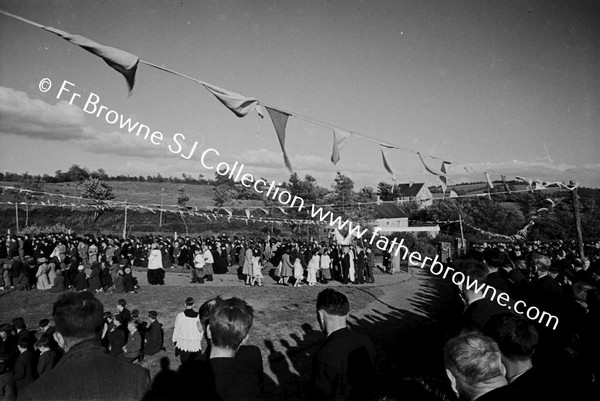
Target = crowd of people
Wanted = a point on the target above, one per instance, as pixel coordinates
(61, 261)
(490, 352)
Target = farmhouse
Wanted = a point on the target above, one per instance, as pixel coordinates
(391, 219)
(415, 191)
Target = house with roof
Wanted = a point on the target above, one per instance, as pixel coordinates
(390, 218)
(415, 191)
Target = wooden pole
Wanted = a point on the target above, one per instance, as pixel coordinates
(162, 195)
(17, 215)
(125, 223)
(577, 221)
(462, 235)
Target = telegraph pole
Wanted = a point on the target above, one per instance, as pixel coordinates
(162, 195)
(125, 224)
(17, 215)
(577, 220)
(462, 235)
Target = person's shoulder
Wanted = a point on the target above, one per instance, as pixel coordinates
(504, 393)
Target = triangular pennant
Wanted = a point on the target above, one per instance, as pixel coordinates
(340, 137)
(238, 104)
(247, 213)
(443, 178)
(123, 62)
(280, 119)
(488, 180)
(429, 169)
(506, 187)
(261, 115)
(386, 165)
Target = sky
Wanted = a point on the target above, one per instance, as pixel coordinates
(509, 87)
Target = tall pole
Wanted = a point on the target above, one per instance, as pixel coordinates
(577, 221)
(17, 215)
(125, 223)
(162, 195)
(462, 234)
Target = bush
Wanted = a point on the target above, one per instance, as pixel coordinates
(56, 228)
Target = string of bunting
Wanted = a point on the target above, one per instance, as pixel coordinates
(248, 209)
(208, 216)
(127, 64)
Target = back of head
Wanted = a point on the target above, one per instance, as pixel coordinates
(230, 322)
(18, 323)
(78, 315)
(207, 308)
(473, 359)
(333, 302)
(515, 335)
(541, 263)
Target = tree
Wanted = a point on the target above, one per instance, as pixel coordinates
(343, 189)
(99, 192)
(366, 194)
(35, 184)
(385, 191)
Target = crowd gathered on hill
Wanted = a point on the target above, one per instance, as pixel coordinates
(491, 352)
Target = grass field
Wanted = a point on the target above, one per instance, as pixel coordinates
(394, 312)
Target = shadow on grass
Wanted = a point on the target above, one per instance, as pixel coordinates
(407, 344)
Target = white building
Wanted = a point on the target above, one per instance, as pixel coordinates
(391, 219)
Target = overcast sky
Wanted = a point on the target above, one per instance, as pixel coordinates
(488, 84)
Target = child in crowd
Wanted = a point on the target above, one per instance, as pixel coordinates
(257, 275)
(124, 313)
(46, 358)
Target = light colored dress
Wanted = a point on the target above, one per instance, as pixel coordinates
(43, 282)
(52, 273)
(313, 267)
(256, 267)
(247, 269)
(298, 269)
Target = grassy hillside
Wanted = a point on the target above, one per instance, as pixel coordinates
(139, 221)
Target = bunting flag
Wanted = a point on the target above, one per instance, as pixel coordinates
(429, 168)
(340, 137)
(443, 178)
(280, 119)
(489, 180)
(261, 115)
(123, 62)
(386, 165)
(506, 187)
(238, 104)
(340, 238)
(528, 181)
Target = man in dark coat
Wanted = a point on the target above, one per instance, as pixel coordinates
(360, 265)
(154, 335)
(346, 266)
(23, 371)
(343, 367)
(85, 371)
